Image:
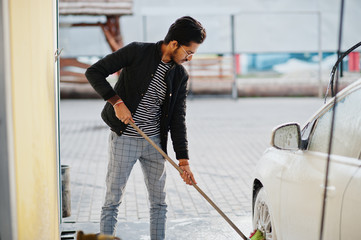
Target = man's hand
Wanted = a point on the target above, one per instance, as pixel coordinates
(123, 113)
(187, 173)
(120, 109)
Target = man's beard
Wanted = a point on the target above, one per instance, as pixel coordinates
(173, 57)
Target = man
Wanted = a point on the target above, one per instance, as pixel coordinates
(151, 92)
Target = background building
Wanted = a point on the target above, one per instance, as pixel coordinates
(261, 26)
(275, 41)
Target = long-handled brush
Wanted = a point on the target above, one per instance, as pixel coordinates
(257, 235)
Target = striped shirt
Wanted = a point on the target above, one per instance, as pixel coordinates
(147, 115)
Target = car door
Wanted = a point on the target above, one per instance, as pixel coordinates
(351, 211)
(304, 174)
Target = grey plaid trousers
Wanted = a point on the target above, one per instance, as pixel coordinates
(124, 151)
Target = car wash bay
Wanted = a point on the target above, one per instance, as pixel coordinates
(226, 138)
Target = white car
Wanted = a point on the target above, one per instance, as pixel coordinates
(289, 184)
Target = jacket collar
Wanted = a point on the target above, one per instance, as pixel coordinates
(159, 49)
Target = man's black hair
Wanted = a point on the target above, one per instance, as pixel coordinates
(186, 30)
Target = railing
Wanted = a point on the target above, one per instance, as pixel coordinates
(213, 73)
(72, 71)
(208, 73)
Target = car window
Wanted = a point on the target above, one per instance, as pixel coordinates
(347, 128)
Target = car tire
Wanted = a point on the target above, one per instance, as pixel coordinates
(262, 218)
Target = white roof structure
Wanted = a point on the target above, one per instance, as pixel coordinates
(96, 7)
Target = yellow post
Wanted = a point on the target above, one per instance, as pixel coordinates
(34, 124)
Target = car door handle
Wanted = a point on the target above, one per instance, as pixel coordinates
(331, 190)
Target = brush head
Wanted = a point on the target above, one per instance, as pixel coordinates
(257, 235)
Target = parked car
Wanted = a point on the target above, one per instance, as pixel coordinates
(289, 184)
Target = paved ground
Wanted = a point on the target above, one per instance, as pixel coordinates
(226, 139)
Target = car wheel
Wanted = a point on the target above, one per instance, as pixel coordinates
(262, 219)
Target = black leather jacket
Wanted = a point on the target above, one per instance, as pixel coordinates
(138, 62)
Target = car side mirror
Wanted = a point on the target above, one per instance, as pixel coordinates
(287, 137)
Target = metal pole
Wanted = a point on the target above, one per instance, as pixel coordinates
(190, 93)
(234, 85)
(8, 209)
(323, 212)
(144, 21)
(320, 87)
